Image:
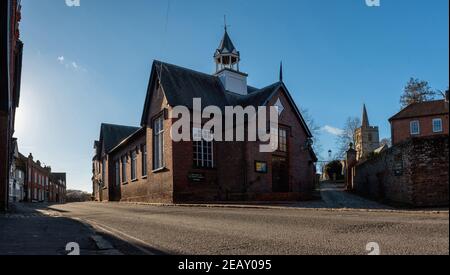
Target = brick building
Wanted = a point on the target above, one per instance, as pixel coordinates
(420, 120)
(144, 164)
(414, 171)
(41, 185)
(57, 188)
(10, 74)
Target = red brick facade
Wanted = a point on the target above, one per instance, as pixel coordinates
(401, 128)
(233, 177)
(423, 114)
(41, 185)
(10, 73)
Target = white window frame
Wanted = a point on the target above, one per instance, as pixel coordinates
(117, 171)
(199, 148)
(144, 160)
(411, 128)
(441, 129)
(124, 170)
(133, 165)
(158, 143)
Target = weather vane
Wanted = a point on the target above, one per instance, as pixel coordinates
(225, 22)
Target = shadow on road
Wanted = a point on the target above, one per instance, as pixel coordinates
(26, 231)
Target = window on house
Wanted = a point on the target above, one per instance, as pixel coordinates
(415, 127)
(124, 169)
(282, 140)
(133, 165)
(104, 170)
(203, 152)
(437, 125)
(117, 173)
(158, 143)
(144, 160)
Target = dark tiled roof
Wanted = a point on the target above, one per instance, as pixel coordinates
(139, 133)
(226, 45)
(181, 85)
(429, 108)
(111, 135)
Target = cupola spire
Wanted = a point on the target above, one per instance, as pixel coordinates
(226, 55)
(227, 60)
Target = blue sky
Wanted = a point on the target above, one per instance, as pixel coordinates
(90, 64)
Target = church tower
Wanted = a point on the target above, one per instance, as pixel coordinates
(367, 137)
(227, 59)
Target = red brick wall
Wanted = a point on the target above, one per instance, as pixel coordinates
(234, 177)
(401, 128)
(414, 172)
(300, 161)
(8, 85)
(157, 187)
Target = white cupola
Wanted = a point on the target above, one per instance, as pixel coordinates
(227, 60)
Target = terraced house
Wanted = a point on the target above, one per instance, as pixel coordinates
(41, 184)
(143, 164)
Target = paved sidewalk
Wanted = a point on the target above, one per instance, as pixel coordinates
(28, 231)
(335, 196)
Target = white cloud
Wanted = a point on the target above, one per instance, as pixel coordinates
(332, 130)
(70, 64)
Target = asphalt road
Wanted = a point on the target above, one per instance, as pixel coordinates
(230, 231)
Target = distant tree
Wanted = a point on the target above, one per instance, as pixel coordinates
(386, 141)
(416, 91)
(77, 196)
(334, 170)
(315, 130)
(347, 136)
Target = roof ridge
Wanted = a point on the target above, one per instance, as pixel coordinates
(185, 68)
(118, 125)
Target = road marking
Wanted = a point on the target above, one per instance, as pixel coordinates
(121, 235)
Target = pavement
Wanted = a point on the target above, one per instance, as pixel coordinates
(334, 196)
(32, 230)
(339, 224)
(191, 230)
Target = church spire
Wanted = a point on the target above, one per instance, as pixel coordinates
(365, 118)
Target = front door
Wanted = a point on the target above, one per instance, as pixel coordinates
(280, 175)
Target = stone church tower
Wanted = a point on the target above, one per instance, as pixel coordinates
(367, 137)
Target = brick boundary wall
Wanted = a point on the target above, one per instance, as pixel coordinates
(414, 172)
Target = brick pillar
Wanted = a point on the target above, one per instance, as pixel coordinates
(351, 162)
